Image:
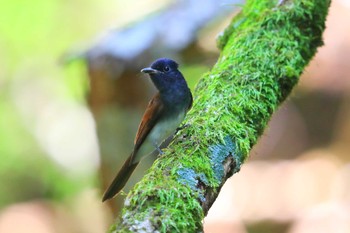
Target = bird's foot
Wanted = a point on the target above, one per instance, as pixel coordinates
(182, 127)
(158, 149)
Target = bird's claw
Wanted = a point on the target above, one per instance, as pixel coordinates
(182, 127)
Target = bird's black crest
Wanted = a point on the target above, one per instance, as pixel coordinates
(161, 63)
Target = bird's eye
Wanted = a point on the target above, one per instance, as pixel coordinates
(166, 69)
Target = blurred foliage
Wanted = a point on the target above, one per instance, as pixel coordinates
(25, 171)
(41, 30)
(37, 33)
(193, 74)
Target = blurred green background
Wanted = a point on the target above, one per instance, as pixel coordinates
(296, 179)
(33, 35)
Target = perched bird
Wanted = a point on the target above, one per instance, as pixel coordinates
(163, 115)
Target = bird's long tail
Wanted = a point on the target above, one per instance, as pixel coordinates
(120, 180)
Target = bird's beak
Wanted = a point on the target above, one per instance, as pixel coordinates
(149, 70)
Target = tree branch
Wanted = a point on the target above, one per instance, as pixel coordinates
(263, 52)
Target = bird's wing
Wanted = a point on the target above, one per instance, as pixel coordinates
(149, 119)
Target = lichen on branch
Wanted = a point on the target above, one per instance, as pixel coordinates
(263, 52)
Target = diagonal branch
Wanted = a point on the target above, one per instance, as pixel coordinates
(263, 52)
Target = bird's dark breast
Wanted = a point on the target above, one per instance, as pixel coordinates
(177, 99)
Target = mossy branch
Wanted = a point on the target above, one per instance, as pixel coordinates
(263, 52)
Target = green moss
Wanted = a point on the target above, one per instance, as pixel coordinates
(177, 212)
(264, 51)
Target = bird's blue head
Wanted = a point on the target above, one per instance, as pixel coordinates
(166, 77)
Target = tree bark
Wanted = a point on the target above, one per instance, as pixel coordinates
(263, 52)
